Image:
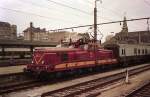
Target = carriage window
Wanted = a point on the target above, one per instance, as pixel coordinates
(138, 51)
(123, 52)
(145, 51)
(135, 50)
(64, 57)
(142, 51)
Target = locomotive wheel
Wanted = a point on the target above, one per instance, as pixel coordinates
(43, 76)
(59, 75)
(28, 72)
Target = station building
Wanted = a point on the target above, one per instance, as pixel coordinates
(125, 37)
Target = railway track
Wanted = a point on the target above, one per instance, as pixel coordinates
(29, 84)
(17, 81)
(93, 85)
(15, 62)
(20, 86)
(143, 91)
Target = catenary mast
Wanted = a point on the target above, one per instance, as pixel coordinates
(95, 21)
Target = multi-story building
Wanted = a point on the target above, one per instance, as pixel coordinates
(37, 34)
(8, 31)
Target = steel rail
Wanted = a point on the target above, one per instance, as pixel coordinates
(142, 91)
(78, 89)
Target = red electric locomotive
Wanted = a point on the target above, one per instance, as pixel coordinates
(54, 60)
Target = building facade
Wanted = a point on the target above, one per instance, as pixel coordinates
(37, 34)
(135, 37)
(8, 31)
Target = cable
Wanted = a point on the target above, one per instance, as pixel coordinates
(74, 8)
(112, 22)
(29, 2)
(148, 3)
(23, 12)
(64, 5)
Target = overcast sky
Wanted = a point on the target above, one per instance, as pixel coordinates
(51, 15)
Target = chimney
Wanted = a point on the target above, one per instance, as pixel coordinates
(31, 24)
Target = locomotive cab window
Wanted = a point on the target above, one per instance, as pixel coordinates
(64, 56)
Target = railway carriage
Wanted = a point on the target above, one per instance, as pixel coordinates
(130, 53)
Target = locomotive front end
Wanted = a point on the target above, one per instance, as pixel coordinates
(41, 62)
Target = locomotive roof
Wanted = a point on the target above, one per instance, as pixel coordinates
(56, 49)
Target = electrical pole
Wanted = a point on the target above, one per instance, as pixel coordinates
(95, 31)
(95, 21)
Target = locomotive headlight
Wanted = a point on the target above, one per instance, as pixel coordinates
(42, 62)
(46, 67)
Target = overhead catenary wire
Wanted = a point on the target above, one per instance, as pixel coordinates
(47, 17)
(146, 2)
(76, 9)
(41, 16)
(113, 11)
(64, 5)
(33, 14)
(37, 5)
(112, 22)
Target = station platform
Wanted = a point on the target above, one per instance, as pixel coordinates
(122, 89)
(48, 88)
(11, 69)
